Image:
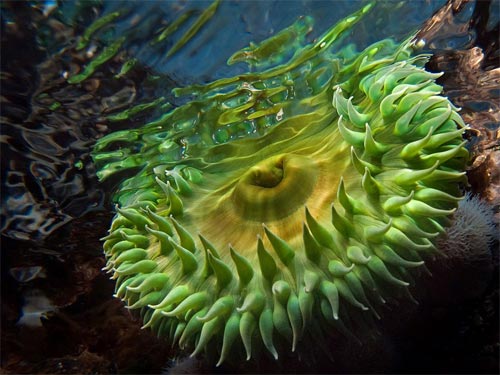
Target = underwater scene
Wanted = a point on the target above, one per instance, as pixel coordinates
(243, 186)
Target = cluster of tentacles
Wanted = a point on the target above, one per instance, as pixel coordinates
(277, 203)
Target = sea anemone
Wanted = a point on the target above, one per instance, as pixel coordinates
(275, 207)
(471, 234)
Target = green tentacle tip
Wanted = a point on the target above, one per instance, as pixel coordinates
(310, 194)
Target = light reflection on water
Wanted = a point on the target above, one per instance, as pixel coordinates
(237, 23)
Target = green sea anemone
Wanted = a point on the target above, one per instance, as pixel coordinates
(277, 203)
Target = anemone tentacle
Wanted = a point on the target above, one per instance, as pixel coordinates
(278, 202)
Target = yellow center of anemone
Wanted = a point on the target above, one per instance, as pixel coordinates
(269, 185)
(274, 188)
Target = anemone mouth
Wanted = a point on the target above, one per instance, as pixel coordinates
(350, 177)
(274, 188)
